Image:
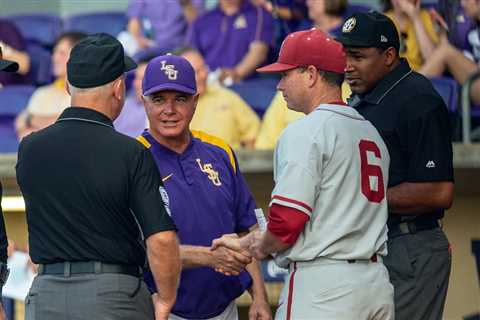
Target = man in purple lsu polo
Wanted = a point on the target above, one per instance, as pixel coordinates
(207, 197)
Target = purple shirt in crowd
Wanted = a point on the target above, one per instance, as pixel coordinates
(473, 43)
(167, 20)
(132, 120)
(11, 36)
(208, 197)
(224, 40)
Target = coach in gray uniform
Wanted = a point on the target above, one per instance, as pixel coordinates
(92, 200)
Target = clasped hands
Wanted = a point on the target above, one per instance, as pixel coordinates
(231, 253)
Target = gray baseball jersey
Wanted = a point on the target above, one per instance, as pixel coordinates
(333, 166)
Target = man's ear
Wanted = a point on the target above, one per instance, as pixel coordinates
(391, 56)
(195, 101)
(118, 88)
(313, 75)
(67, 88)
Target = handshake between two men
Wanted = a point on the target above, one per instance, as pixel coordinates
(256, 244)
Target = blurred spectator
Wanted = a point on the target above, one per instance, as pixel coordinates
(234, 38)
(287, 10)
(460, 64)
(326, 15)
(153, 24)
(418, 36)
(48, 102)
(133, 119)
(13, 47)
(288, 15)
(278, 116)
(220, 111)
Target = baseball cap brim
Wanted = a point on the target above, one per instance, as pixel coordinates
(170, 86)
(349, 42)
(276, 67)
(8, 66)
(129, 63)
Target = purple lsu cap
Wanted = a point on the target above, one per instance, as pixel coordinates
(169, 72)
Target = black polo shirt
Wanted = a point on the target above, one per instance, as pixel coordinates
(3, 233)
(90, 192)
(413, 121)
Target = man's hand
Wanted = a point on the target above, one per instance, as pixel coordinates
(251, 242)
(228, 76)
(255, 243)
(259, 310)
(266, 4)
(228, 261)
(232, 241)
(412, 10)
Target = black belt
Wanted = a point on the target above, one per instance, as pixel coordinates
(411, 227)
(82, 267)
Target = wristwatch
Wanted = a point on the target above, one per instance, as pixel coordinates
(4, 272)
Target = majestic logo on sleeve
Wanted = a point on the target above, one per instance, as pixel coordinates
(211, 174)
(169, 70)
(349, 25)
(430, 164)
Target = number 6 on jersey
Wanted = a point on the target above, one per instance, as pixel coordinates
(369, 171)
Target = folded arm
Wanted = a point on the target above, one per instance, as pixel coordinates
(420, 197)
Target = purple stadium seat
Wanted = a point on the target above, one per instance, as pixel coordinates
(13, 99)
(258, 93)
(109, 22)
(41, 28)
(447, 88)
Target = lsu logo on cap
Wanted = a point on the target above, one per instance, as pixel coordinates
(349, 25)
(169, 70)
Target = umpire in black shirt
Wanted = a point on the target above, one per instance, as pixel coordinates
(92, 200)
(413, 120)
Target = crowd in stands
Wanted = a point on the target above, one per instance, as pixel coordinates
(227, 41)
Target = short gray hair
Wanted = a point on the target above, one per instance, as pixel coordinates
(94, 90)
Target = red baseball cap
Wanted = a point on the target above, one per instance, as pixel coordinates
(309, 47)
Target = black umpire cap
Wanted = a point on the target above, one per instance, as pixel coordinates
(7, 65)
(97, 60)
(369, 29)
